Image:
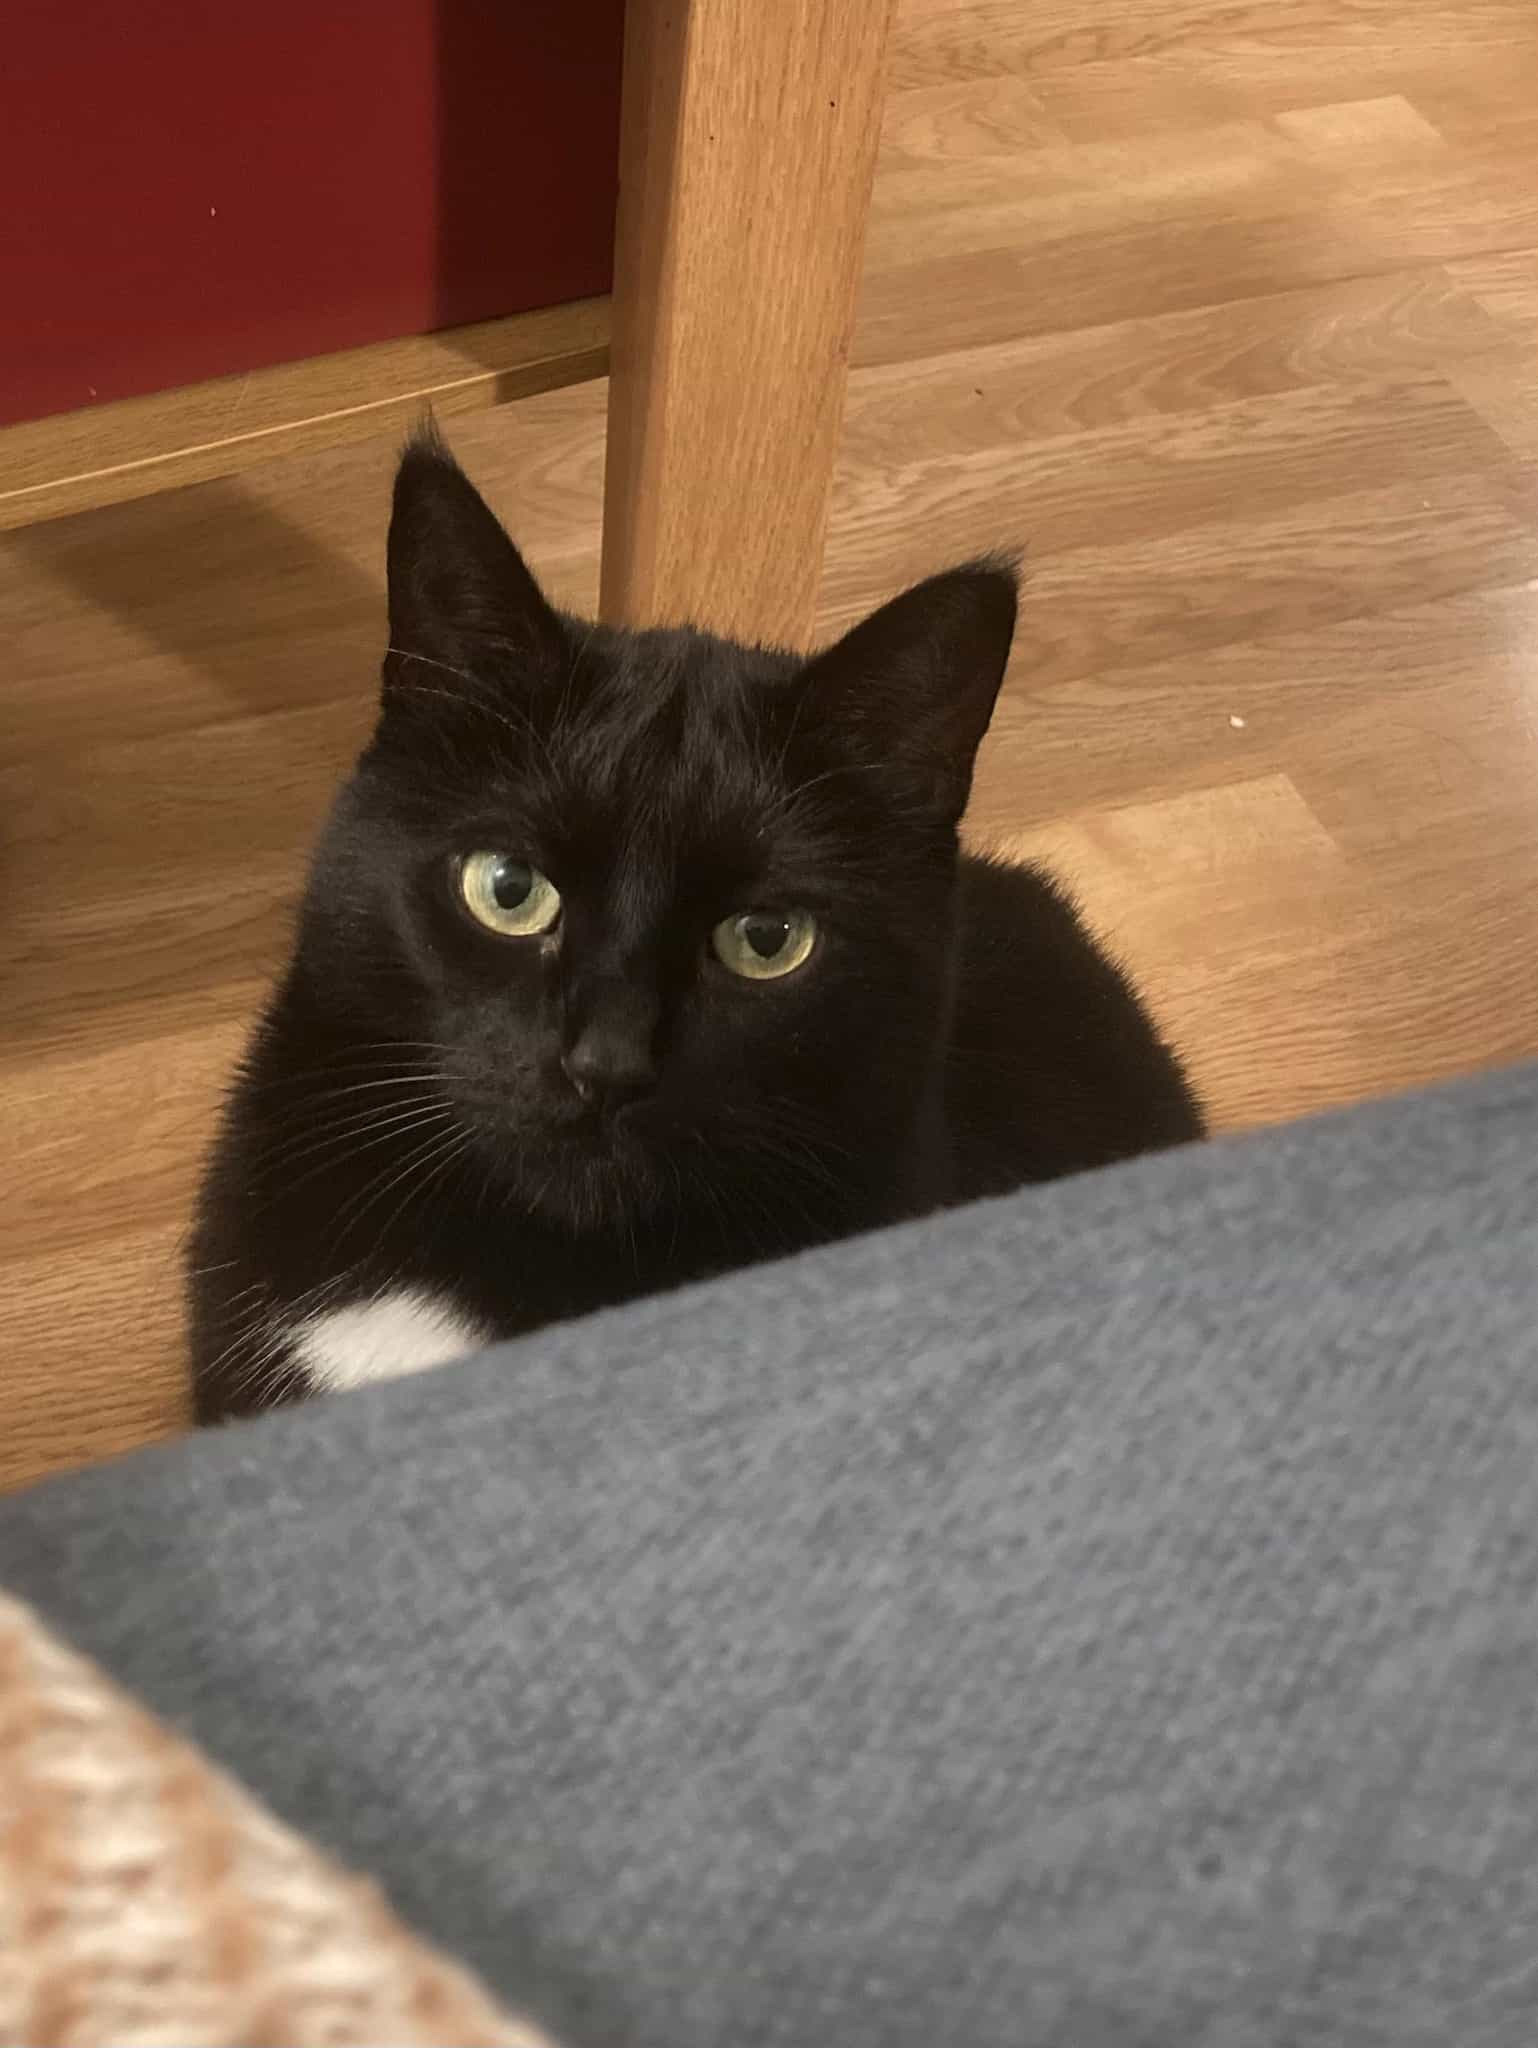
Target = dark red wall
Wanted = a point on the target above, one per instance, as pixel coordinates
(198, 186)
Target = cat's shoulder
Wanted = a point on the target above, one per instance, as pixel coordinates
(1014, 903)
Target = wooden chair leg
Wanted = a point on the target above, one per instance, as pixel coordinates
(747, 147)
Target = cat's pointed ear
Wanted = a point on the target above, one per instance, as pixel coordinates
(457, 584)
(911, 689)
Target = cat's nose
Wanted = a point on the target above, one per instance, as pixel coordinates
(611, 1028)
(609, 1064)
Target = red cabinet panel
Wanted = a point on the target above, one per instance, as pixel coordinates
(195, 188)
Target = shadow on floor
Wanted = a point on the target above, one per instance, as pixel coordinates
(151, 850)
(219, 580)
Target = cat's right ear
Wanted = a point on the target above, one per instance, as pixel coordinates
(458, 587)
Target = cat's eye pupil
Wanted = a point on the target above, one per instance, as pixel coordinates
(511, 883)
(764, 945)
(766, 935)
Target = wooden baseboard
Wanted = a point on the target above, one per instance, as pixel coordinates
(106, 453)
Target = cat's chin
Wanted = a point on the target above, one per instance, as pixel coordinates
(591, 1183)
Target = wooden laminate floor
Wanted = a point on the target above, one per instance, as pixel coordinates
(1229, 312)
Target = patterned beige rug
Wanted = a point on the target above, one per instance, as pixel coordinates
(146, 1901)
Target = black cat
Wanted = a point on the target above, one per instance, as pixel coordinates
(630, 957)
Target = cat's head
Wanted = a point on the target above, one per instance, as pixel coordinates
(660, 911)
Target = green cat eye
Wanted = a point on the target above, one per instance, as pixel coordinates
(508, 896)
(761, 945)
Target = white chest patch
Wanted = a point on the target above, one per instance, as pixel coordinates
(382, 1340)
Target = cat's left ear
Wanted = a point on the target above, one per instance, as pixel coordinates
(458, 586)
(911, 689)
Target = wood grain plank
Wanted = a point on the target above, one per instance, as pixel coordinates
(1248, 708)
(975, 294)
(1502, 387)
(988, 117)
(1294, 976)
(208, 833)
(1291, 46)
(106, 1148)
(963, 400)
(1171, 594)
(1504, 280)
(1167, 594)
(1156, 476)
(96, 1364)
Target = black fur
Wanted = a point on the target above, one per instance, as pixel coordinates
(403, 1114)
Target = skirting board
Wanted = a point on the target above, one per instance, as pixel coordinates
(106, 453)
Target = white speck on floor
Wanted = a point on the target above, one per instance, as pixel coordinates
(1237, 722)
